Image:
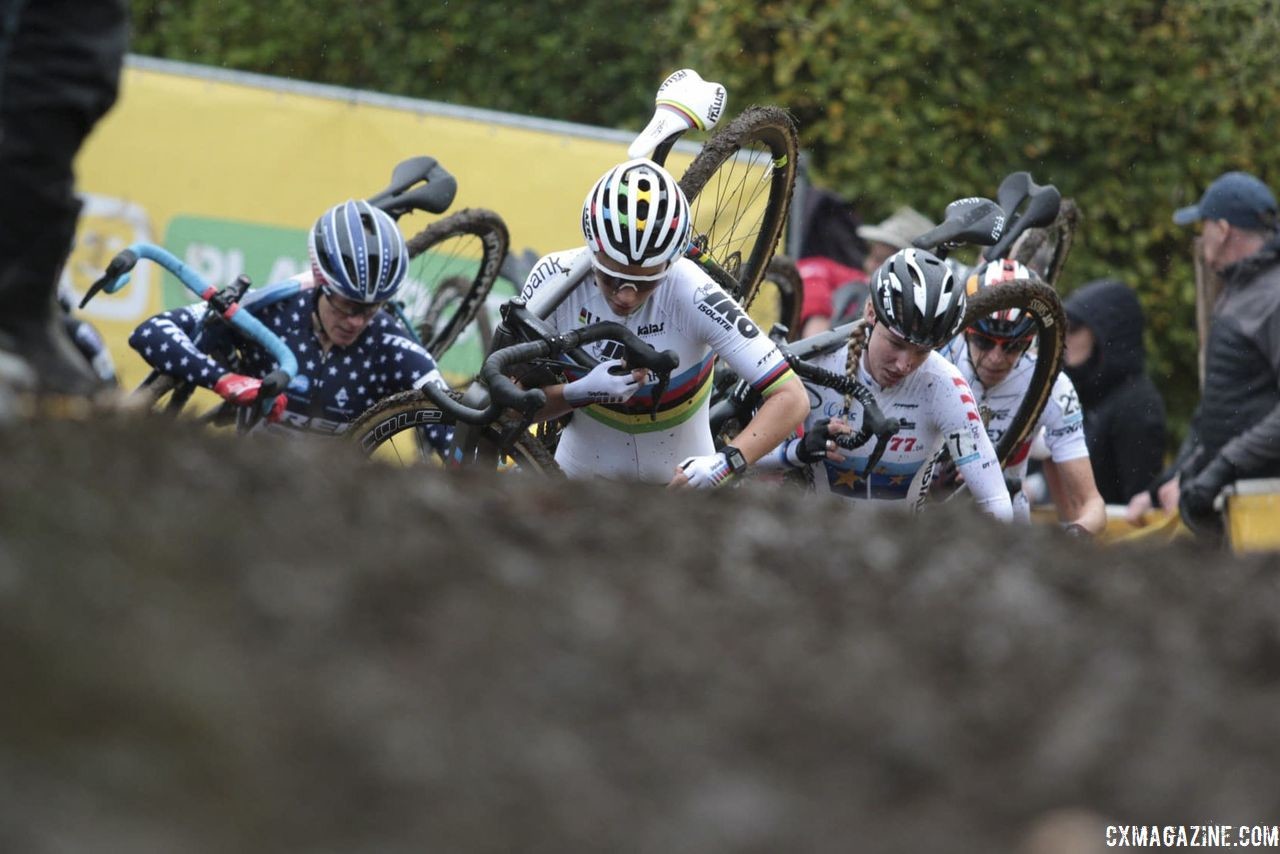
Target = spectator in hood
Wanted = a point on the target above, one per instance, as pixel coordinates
(1124, 417)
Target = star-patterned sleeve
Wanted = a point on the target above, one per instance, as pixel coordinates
(165, 342)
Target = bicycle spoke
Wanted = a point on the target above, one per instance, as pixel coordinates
(740, 189)
(453, 265)
(438, 280)
(735, 206)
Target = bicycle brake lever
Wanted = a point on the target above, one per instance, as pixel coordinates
(226, 299)
(659, 389)
(111, 281)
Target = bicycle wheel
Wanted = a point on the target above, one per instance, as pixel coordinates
(453, 265)
(404, 430)
(779, 297)
(739, 187)
(1042, 304)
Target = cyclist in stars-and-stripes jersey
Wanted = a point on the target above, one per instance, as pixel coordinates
(352, 352)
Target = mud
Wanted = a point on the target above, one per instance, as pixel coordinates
(210, 645)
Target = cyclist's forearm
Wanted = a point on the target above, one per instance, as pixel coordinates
(1256, 449)
(555, 406)
(1075, 494)
(776, 419)
(167, 346)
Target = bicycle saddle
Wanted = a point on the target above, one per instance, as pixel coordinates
(684, 101)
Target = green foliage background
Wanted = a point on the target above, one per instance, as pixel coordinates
(1129, 106)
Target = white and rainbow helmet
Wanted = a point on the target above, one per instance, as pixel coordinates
(637, 215)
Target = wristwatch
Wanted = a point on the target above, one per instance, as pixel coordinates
(737, 462)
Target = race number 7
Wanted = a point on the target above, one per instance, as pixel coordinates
(963, 448)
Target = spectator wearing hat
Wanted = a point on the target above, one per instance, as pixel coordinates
(835, 296)
(893, 234)
(1124, 417)
(1235, 431)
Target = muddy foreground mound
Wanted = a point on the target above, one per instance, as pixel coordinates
(220, 646)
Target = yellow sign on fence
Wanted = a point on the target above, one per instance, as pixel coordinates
(228, 170)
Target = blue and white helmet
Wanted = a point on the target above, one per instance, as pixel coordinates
(358, 252)
(637, 215)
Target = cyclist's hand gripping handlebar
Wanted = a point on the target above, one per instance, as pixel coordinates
(505, 394)
(639, 354)
(874, 421)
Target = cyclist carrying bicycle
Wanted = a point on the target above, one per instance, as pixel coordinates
(994, 357)
(914, 306)
(637, 223)
(352, 352)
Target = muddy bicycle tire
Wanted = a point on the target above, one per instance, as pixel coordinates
(431, 265)
(744, 248)
(1045, 250)
(1041, 302)
(396, 417)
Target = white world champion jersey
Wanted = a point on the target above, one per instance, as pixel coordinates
(687, 313)
(1062, 419)
(935, 409)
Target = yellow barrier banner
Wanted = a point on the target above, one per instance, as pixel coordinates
(229, 170)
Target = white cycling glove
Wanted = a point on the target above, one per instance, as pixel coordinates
(714, 469)
(608, 382)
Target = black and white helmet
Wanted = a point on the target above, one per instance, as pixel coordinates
(916, 295)
(637, 215)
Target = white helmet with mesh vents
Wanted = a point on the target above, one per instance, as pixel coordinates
(637, 215)
(915, 294)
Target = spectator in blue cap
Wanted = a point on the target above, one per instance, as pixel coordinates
(1235, 432)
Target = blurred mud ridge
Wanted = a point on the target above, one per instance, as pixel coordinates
(221, 646)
